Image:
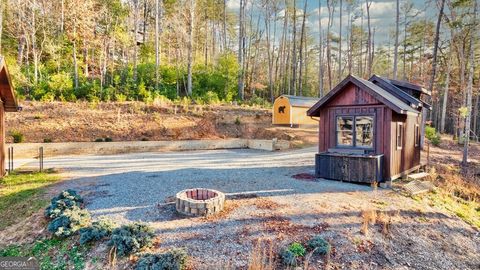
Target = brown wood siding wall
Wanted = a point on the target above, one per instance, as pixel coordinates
(409, 155)
(2, 138)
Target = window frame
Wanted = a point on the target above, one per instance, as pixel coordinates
(354, 130)
(417, 135)
(400, 127)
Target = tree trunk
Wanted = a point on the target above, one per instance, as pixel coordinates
(369, 40)
(241, 48)
(293, 83)
(470, 89)
(329, 52)
(85, 57)
(157, 44)
(320, 53)
(190, 47)
(435, 47)
(302, 41)
(135, 31)
(224, 25)
(445, 94)
(395, 50)
(340, 44)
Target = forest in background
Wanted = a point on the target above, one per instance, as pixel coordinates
(206, 51)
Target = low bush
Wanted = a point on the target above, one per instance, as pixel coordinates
(288, 258)
(292, 253)
(297, 249)
(108, 139)
(67, 199)
(97, 231)
(432, 135)
(99, 140)
(174, 259)
(47, 140)
(17, 136)
(131, 238)
(319, 245)
(69, 222)
(238, 121)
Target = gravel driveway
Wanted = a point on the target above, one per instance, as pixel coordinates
(129, 187)
(271, 205)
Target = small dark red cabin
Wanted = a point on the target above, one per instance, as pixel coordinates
(370, 130)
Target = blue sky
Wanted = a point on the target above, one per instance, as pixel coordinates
(382, 14)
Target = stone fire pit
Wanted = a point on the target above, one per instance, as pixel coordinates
(199, 201)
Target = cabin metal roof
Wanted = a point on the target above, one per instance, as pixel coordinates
(393, 102)
(299, 101)
(7, 94)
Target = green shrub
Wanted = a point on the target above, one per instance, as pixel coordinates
(237, 121)
(174, 259)
(99, 140)
(319, 245)
(108, 139)
(120, 97)
(47, 140)
(69, 222)
(97, 231)
(288, 258)
(17, 136)
(291, 254)
(432, 135)
(131, 238)
(297, 249)
(67, 199)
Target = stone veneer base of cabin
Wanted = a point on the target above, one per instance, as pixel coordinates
(199, 202)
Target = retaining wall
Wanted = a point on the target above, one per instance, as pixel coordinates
(28, 150)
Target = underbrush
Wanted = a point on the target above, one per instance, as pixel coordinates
(52, 253)
(21, 195)
(457, 193)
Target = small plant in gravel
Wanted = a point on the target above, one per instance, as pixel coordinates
(17, 136)
(319, 245)
(99, 230)
(67, 199)
(131, 238)
(108, 139)
(292, 254)
(297, 249)
(99, 140)
(69, 222)
(238, 121)
(174, 259)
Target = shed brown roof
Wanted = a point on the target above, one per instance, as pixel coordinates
(7, 94)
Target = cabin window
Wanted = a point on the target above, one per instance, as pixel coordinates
(345, 131)
(364, 131)
(355, 131)
(417, 135)
(399, 135)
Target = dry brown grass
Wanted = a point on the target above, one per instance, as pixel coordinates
(368, 217)
(262, 256)
(380, 218)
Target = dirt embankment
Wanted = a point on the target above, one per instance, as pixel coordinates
(135, 121)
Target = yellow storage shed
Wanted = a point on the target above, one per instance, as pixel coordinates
(292, 111)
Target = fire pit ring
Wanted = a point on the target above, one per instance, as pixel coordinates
(199, 201)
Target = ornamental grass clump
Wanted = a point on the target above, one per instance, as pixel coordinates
(99, 230)
(130, 238)
(174, 259)
(319, 245)
(69, 222)
(67, 199)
